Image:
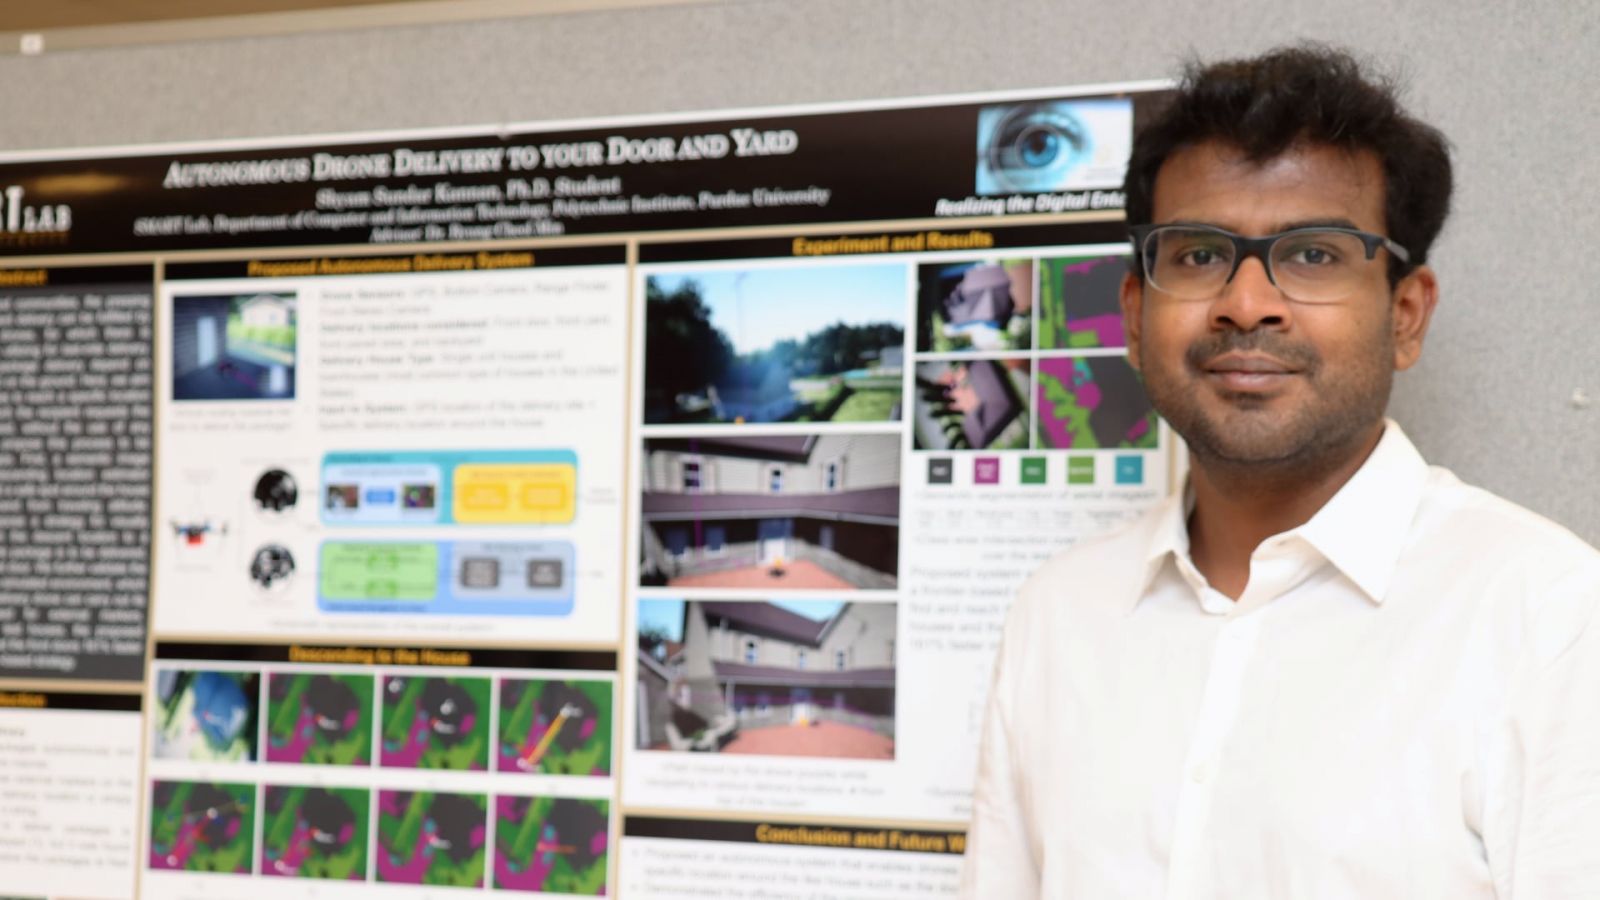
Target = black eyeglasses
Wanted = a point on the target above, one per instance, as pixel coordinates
(1320, 264)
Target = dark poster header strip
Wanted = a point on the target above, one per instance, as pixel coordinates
(69, 700)
(811, 246)
(360, 655)
(76, 276)
(1006, 157)
(789, 834)
(411, 263)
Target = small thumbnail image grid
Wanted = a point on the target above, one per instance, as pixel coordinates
(1065, 385)
(274, 823)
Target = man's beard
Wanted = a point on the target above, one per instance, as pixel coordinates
(1248, 433)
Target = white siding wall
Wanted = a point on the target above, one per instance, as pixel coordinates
(740, 476)
(870, 460)
(699, 648)
(864, 631)
(663, 471)
(728, 646)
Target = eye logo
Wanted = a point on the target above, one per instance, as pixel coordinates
(1052, 145)
(1030, 147)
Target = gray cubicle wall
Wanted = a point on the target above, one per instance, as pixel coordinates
(1507, 395)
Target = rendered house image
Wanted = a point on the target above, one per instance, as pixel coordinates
(758, 678)
(234, 347)
(983, 295)
(976, 305)
(777, 511)
(970, 405)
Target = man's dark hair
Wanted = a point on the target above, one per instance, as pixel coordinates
(1308, 93)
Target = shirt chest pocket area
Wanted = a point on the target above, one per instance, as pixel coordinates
(1365, 775)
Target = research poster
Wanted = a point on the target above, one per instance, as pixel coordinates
(606, 508)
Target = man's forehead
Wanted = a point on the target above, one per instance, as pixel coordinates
(1219, 183)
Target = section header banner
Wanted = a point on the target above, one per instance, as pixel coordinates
(1048, 154)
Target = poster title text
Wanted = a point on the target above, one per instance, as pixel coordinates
(404, 162)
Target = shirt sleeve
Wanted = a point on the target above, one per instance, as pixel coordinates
(999, 855)
(1546, 844)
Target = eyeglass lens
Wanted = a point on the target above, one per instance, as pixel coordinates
(1311, 265)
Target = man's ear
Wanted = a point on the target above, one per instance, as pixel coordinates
(1131, 297)
(1415, 296)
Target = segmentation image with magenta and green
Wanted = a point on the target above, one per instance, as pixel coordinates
(314, 832)
(555, 727)
(202, 826)
(319, 719)
(435, 723)
(550, 844)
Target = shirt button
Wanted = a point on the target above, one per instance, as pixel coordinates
(1198, 774)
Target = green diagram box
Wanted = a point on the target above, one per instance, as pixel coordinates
(380, 571)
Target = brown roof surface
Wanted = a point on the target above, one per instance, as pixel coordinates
(805, 677)
(767, 619)
(867, 503)
(794, 447)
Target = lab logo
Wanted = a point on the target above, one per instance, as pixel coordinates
(1044, 146)
(17, 216)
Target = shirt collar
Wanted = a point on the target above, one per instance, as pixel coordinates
(1361, 530)
(1168, 537)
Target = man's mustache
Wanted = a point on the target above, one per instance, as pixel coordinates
(1294, 355)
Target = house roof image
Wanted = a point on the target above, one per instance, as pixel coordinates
(804, 678)
(997, 403)
(984, 295)
(881, 504)
(769, 620)
(798, 511)
(780, 707)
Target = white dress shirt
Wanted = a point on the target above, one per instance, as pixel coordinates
(1404, 704)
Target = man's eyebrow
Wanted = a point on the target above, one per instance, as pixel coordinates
(1320, 223)
(1333, 222)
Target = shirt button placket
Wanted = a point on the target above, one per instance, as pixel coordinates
(1219, 707)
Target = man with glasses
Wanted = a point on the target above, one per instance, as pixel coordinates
(1326, 669)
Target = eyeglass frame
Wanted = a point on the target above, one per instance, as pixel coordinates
(1260, 247)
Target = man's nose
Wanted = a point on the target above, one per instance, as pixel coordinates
(1250, 300)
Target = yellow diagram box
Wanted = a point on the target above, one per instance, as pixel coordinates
(514, 493)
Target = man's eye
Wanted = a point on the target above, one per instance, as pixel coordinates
(1318, 252)
(1314, 256)
(1199, 256)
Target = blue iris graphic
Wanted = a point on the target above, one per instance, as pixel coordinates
(1044, 145)
(1039, 147)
